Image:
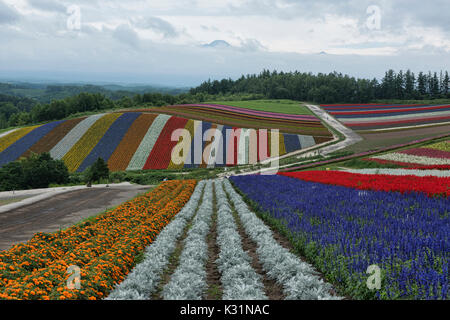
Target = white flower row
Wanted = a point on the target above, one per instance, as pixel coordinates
(299, 280)
(401, 157)
(69, 140)
(306, 141)
(143, 280)
(243, 146)
(188, 282)
(402, 172)
(216, 147)
(145, 147)
(239, 279)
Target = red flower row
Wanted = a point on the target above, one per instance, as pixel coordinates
(379, 182)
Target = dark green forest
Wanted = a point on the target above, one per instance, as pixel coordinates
(22, 105)
(334, 87)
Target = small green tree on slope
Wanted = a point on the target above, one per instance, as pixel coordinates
(98, 170)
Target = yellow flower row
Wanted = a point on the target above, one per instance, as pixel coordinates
(442, 146)
(9, 139)
(74, 158)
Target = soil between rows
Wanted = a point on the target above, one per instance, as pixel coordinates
(212, 273)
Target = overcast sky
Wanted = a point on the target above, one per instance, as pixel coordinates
(163, 41)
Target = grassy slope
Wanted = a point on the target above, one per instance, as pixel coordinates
(281, 106)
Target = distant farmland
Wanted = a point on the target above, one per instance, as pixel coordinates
(143, 140)
(369, 117)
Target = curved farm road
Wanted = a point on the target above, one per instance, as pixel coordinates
(351, 137)
(60, 211)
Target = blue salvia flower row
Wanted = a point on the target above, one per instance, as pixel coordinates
(14, 151)
(110, 140)
(343, 231)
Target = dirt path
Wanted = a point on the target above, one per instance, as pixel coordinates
(212, 272)
(60, 211)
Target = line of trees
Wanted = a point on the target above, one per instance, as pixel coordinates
(320, 88)
(333, 87)
(17, 111)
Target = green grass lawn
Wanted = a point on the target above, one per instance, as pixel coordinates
(281, 106)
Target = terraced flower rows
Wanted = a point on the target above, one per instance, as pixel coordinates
(106, 248)
(435, 155)
(217, 200)
(376, 116)
(343, 230)
(247, 118)
(135, 141)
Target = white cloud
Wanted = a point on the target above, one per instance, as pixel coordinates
(165, 36)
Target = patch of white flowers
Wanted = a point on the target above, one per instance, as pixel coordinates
(143, 280)
(402, 172)
(299, 280)
(69, 140)
(306, 141)
(239, 279)
(188, 282)
(401, 157)
(139, 158)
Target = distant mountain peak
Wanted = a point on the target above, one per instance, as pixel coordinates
(217, 44)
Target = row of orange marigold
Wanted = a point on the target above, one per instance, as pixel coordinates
(104, 248)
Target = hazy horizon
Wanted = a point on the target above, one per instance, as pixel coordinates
(166, 42)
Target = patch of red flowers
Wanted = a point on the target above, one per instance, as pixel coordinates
(380, 182)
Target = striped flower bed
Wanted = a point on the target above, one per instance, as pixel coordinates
(15, 150)
(188, 282)
(135, 141)
(121, 157)
(147, 143)
(343, 230)
(431, 156)
(369, 117)
(402, 157)
(110, 140)
(246, 118)
(143, 280)
(431, 186)
(299, 279)
(12, 137)
(239, 279)
(48, 142)
(402, 172)
(81, 149)
(442, 146)
(69, 140)
(427, 152)
(105, 248)
(160, 156)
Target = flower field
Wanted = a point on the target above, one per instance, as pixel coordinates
(308, 125)
(434, 155)
(429, 185)
(16, 149)
(104, 248)
(158, 245)
(374, 116)
(343, 230)
(403, 172)
(238, 278)
(136, 141)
